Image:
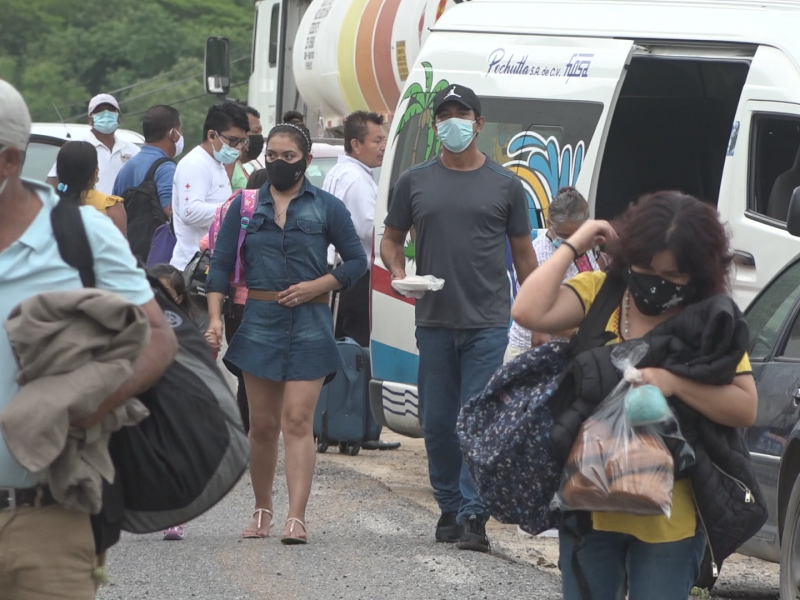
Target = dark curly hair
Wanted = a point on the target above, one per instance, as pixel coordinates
(682, 224)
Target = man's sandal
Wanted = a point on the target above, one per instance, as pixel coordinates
(257, 533)
(292, 539)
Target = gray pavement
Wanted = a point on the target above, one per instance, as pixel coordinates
(366, 542)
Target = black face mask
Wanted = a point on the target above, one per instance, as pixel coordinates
(283, 175)
(255, 146)
(654, 295)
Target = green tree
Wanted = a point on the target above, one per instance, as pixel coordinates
(145, 52)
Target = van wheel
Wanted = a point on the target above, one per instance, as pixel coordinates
(322, 446)
(790, 547)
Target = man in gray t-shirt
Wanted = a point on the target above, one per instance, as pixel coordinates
(463, 207)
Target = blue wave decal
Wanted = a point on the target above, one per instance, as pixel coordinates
(393, 364)
(406, 413)
(400, 403)
(403, 394)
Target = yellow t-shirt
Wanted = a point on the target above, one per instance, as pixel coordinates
(100, 201)
(654, 529)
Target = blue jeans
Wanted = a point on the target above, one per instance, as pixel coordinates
(454, 366)
(614, 563)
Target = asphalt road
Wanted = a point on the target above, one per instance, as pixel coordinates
(366, 542)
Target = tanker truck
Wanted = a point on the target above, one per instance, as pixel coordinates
(328, 58)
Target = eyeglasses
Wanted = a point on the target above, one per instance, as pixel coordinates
(234, 142)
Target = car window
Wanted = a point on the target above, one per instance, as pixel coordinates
(39, 159)
(769, 310)
(792, 348)
(775, 172)
(319, 168)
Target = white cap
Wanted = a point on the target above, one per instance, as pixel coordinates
(102, 99)
(15, 119)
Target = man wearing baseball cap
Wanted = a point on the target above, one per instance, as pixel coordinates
(112, 152)
(47, 551)
(464, 206)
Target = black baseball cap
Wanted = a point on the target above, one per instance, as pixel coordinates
(457, 93)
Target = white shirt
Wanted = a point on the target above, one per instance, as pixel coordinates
(109, 162)
(201, 184)
(352, 182)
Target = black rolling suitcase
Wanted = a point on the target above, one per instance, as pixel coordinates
(343, 414)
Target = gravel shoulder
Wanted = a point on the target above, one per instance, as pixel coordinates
(405, 472)
(366, 542)
(371, 519)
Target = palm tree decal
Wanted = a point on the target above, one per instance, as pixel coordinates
(420, 102)
(544, 167)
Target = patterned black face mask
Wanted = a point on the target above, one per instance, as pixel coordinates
(654, 295)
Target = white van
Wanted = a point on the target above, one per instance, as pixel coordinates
(618, 98)
(47, 139)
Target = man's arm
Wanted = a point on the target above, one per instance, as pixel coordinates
(119, 217)
(523, 256)
(164, 176)
(397, 223)
(518, 230)
(147, 369)
(393, 253)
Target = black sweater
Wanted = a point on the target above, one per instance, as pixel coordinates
(705, 342)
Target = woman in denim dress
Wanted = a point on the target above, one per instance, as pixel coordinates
(285, 345)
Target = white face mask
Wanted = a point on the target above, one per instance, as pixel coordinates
(179, 145)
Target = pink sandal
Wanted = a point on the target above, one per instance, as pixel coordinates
(257, 533)
(292, 539)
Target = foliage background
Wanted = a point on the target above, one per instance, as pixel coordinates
(144, 52)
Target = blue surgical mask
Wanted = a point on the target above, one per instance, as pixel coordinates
(456, 134)
(225, 155)
(106, 122)
(557, 241)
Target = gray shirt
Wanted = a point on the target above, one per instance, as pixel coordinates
(462, 220)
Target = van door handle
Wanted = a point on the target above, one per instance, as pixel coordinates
(796, 396)
(744, 259)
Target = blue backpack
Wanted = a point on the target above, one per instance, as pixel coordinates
(505, 430)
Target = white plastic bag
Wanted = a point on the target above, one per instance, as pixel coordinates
(415, 286)
(615, 465)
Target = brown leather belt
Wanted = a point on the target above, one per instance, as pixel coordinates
(13, 498)
(266, 296)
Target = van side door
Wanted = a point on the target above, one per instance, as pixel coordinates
(762, 169)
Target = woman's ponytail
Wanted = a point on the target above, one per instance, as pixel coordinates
(76, 165)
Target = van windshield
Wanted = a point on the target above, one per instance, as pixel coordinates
(544, 142)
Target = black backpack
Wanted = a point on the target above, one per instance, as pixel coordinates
(145, 213)
(191, 450)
